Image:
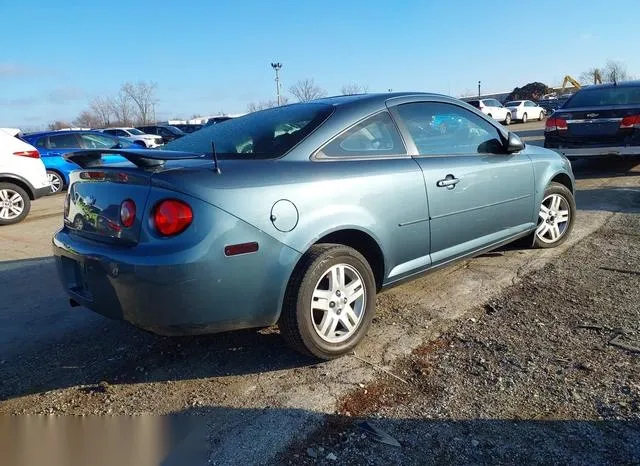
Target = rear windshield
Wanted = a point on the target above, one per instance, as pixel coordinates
(475, 103)
(266, 134)
(515, 103)
(604, 97)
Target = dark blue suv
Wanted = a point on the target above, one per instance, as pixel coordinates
(53, 144)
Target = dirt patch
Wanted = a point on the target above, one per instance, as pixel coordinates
(547, 372)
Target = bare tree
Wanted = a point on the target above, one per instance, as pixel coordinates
(102, 110)
(56, 125)
(615, 71)
(87, 119)
(262, 105)
(142, 95)
(591, 76)
(306, 90)
(353, 89)
(122, 108)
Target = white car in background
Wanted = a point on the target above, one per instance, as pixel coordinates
(493, 109)
(525, 110)
(135, 136)
(23, 177)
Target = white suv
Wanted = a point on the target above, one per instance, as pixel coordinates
(136, 136)
(492, 108)
(23, 177)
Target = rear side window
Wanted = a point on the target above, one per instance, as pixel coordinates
(375, 136)
(41, 142)
(474, 103)
(605, 97)
(98, 141)
(63, 141)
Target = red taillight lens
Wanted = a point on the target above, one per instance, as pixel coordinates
(556, 124)
(172, 217)
(33, 154)
(629, 122)
(127, 213)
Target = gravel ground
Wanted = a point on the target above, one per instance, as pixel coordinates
(547, 373)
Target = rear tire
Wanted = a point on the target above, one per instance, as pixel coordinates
(14, 204)
(56, 180)
(541, 116)
(323, 314)
(525, 118)
(507, 119)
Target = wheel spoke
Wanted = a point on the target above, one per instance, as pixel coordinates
(563, 216)
(4, 212)
(347, 323)
(15, 198)
(322, 295)
(328, 321)
(555, 203)
(542, 229)
(337, 277)
(16, 209)
(355, 296)
(554, 231)
(4, 195)
(354, 287)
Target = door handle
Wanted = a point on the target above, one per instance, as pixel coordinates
(449, 182)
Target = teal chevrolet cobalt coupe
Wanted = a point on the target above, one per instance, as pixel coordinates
(299, 215)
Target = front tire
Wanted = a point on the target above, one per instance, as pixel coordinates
(556, 217)
(14, 204)
(541, 116)
(329, 302)
(525, 118)
(507, 119)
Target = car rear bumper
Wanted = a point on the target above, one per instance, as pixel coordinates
(598, 151)
(41, 192)
(173, 292)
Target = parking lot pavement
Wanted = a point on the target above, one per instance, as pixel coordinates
(54, 359)
(531, 132)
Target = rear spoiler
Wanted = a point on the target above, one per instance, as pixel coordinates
(142, 158)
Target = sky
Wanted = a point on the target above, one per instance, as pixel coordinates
(214, 56)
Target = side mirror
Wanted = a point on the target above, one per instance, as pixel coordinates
(514, 143)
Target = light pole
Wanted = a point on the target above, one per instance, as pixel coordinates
(277, 67)
(479, 88)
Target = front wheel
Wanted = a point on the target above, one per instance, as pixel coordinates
(507, 119)
(329, 303)
(556, 216)
(525, 118)
(14, 204)
(541, 116)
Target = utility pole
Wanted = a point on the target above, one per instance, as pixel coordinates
(277, 67)
(479, 88)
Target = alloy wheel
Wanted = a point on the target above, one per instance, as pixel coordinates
(553, 218)
(11, 204)
(338, 303)
(55, 181)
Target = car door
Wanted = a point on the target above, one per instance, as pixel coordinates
(478, 195)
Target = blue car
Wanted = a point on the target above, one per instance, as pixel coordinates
(299, 215)
(52, 145)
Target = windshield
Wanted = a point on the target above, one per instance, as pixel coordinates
(174, 130)
(266, 134)
(515, 103)
(134, 131)
(604, 97)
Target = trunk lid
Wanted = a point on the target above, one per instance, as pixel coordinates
(597, 125)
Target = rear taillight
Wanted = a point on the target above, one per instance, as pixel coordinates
(172, 217)
(32, 154)
(629, 122)
(127, 213)
(556, 124)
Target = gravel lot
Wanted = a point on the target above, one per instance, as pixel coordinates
(249, 385)
(549, 372)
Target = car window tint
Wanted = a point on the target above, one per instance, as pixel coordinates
(621, 95)
(446, 129)
(98, 141)
(164, 132)
(41, 142)
(375, 136)
(63, 141)
(265, 134)
(475, 103)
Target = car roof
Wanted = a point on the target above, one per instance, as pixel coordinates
(635, 83)
(369, 98)
(66, 131)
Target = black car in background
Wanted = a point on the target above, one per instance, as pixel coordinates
(168, 133)
(597, 121)
(188, 128)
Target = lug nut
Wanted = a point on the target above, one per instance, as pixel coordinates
(332, 304)
(338, 293)
(345, 300)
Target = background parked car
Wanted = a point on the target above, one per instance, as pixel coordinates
(52, 145)
(493, 109)
(525, 110)
(215, 120)
(597, 120)
(135, 136)
(23, 177)
(188, 128)
(167, 132)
